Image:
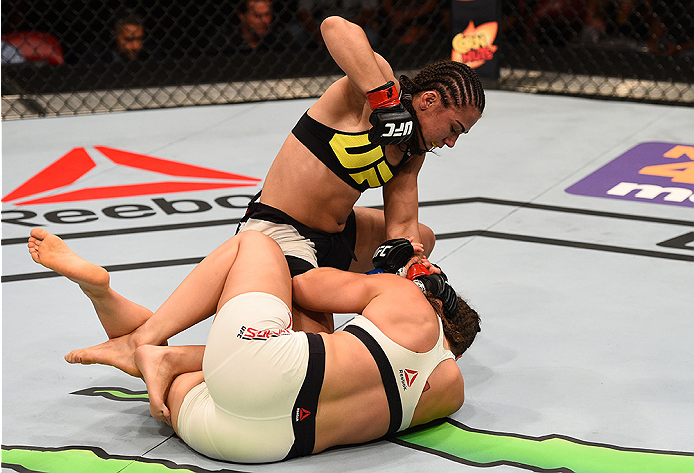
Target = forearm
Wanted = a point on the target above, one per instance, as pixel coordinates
(403, 229)
(350, 48)
(401, 203)
(331, 290)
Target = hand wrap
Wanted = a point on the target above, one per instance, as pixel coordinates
(393, 255)
(391, 122)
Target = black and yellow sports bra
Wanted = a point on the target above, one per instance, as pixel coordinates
(351, 156)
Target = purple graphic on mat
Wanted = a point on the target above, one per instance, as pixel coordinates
(656, 172)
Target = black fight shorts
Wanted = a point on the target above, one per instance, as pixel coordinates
(304, 247)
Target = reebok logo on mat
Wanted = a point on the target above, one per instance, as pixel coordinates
(71, 178)
(649, 172)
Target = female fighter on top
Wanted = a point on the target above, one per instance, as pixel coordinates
(260, 391)
(367, 130)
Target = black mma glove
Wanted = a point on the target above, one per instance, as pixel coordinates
(391, 122)
(393, 255)
(436, 285)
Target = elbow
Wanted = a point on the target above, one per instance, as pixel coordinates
(332, 24)
(337, 28)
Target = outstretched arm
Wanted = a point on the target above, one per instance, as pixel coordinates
(385, 299)
(332, 290)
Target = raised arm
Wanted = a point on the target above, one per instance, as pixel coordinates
(369, 90)
(350, 48)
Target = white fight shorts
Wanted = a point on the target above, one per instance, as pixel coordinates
(254, 368)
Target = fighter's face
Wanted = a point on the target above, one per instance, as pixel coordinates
(442, 126)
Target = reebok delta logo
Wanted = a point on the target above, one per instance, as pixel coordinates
(407, 378)
(301, 414)
(60, 182)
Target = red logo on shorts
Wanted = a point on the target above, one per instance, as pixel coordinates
(52, 185)
(250, 333)
(302, 413)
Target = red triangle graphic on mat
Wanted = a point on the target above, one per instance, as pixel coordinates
(303, 413)
(77, 162)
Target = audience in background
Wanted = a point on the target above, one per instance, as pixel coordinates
(411, 21)
(673, 28)
(310, 13)
(617, 24)
(256, 30)
(128, 42)
(555, 22)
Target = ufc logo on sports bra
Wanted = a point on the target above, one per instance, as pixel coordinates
(363, 160)
(403, 129)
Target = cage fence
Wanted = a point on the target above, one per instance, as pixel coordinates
(70, 57)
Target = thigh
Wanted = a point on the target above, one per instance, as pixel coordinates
(180, 387)
(260, 266)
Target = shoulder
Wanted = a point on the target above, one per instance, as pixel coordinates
(342, 107)
(401, 311)
(450, 385)
(444, 396)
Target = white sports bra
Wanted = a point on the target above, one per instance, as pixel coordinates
(404, 372)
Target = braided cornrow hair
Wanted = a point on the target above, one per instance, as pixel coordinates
(460, 328)
(457, 83)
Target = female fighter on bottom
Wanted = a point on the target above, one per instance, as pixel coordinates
(259, 391)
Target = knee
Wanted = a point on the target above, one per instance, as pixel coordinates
(428, 238)
(252, 236)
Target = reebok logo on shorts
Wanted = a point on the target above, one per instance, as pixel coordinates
(250, 333)
(301, 414)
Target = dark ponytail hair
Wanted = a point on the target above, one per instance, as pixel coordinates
(460, 328)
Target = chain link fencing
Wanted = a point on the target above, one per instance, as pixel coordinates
(70, 57)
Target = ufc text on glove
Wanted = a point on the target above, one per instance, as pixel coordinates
(391, 123)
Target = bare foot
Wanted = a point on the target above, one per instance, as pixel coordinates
(53, 253)
(117, 352)
(158, 368)
(118, 315)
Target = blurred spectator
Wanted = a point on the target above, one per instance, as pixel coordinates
(11, 54)
(673, 28)
(410, 21)
(256, 30)
(617, 23)
(128, 42)
(310, 14)
(556, 21)
(514, 19)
